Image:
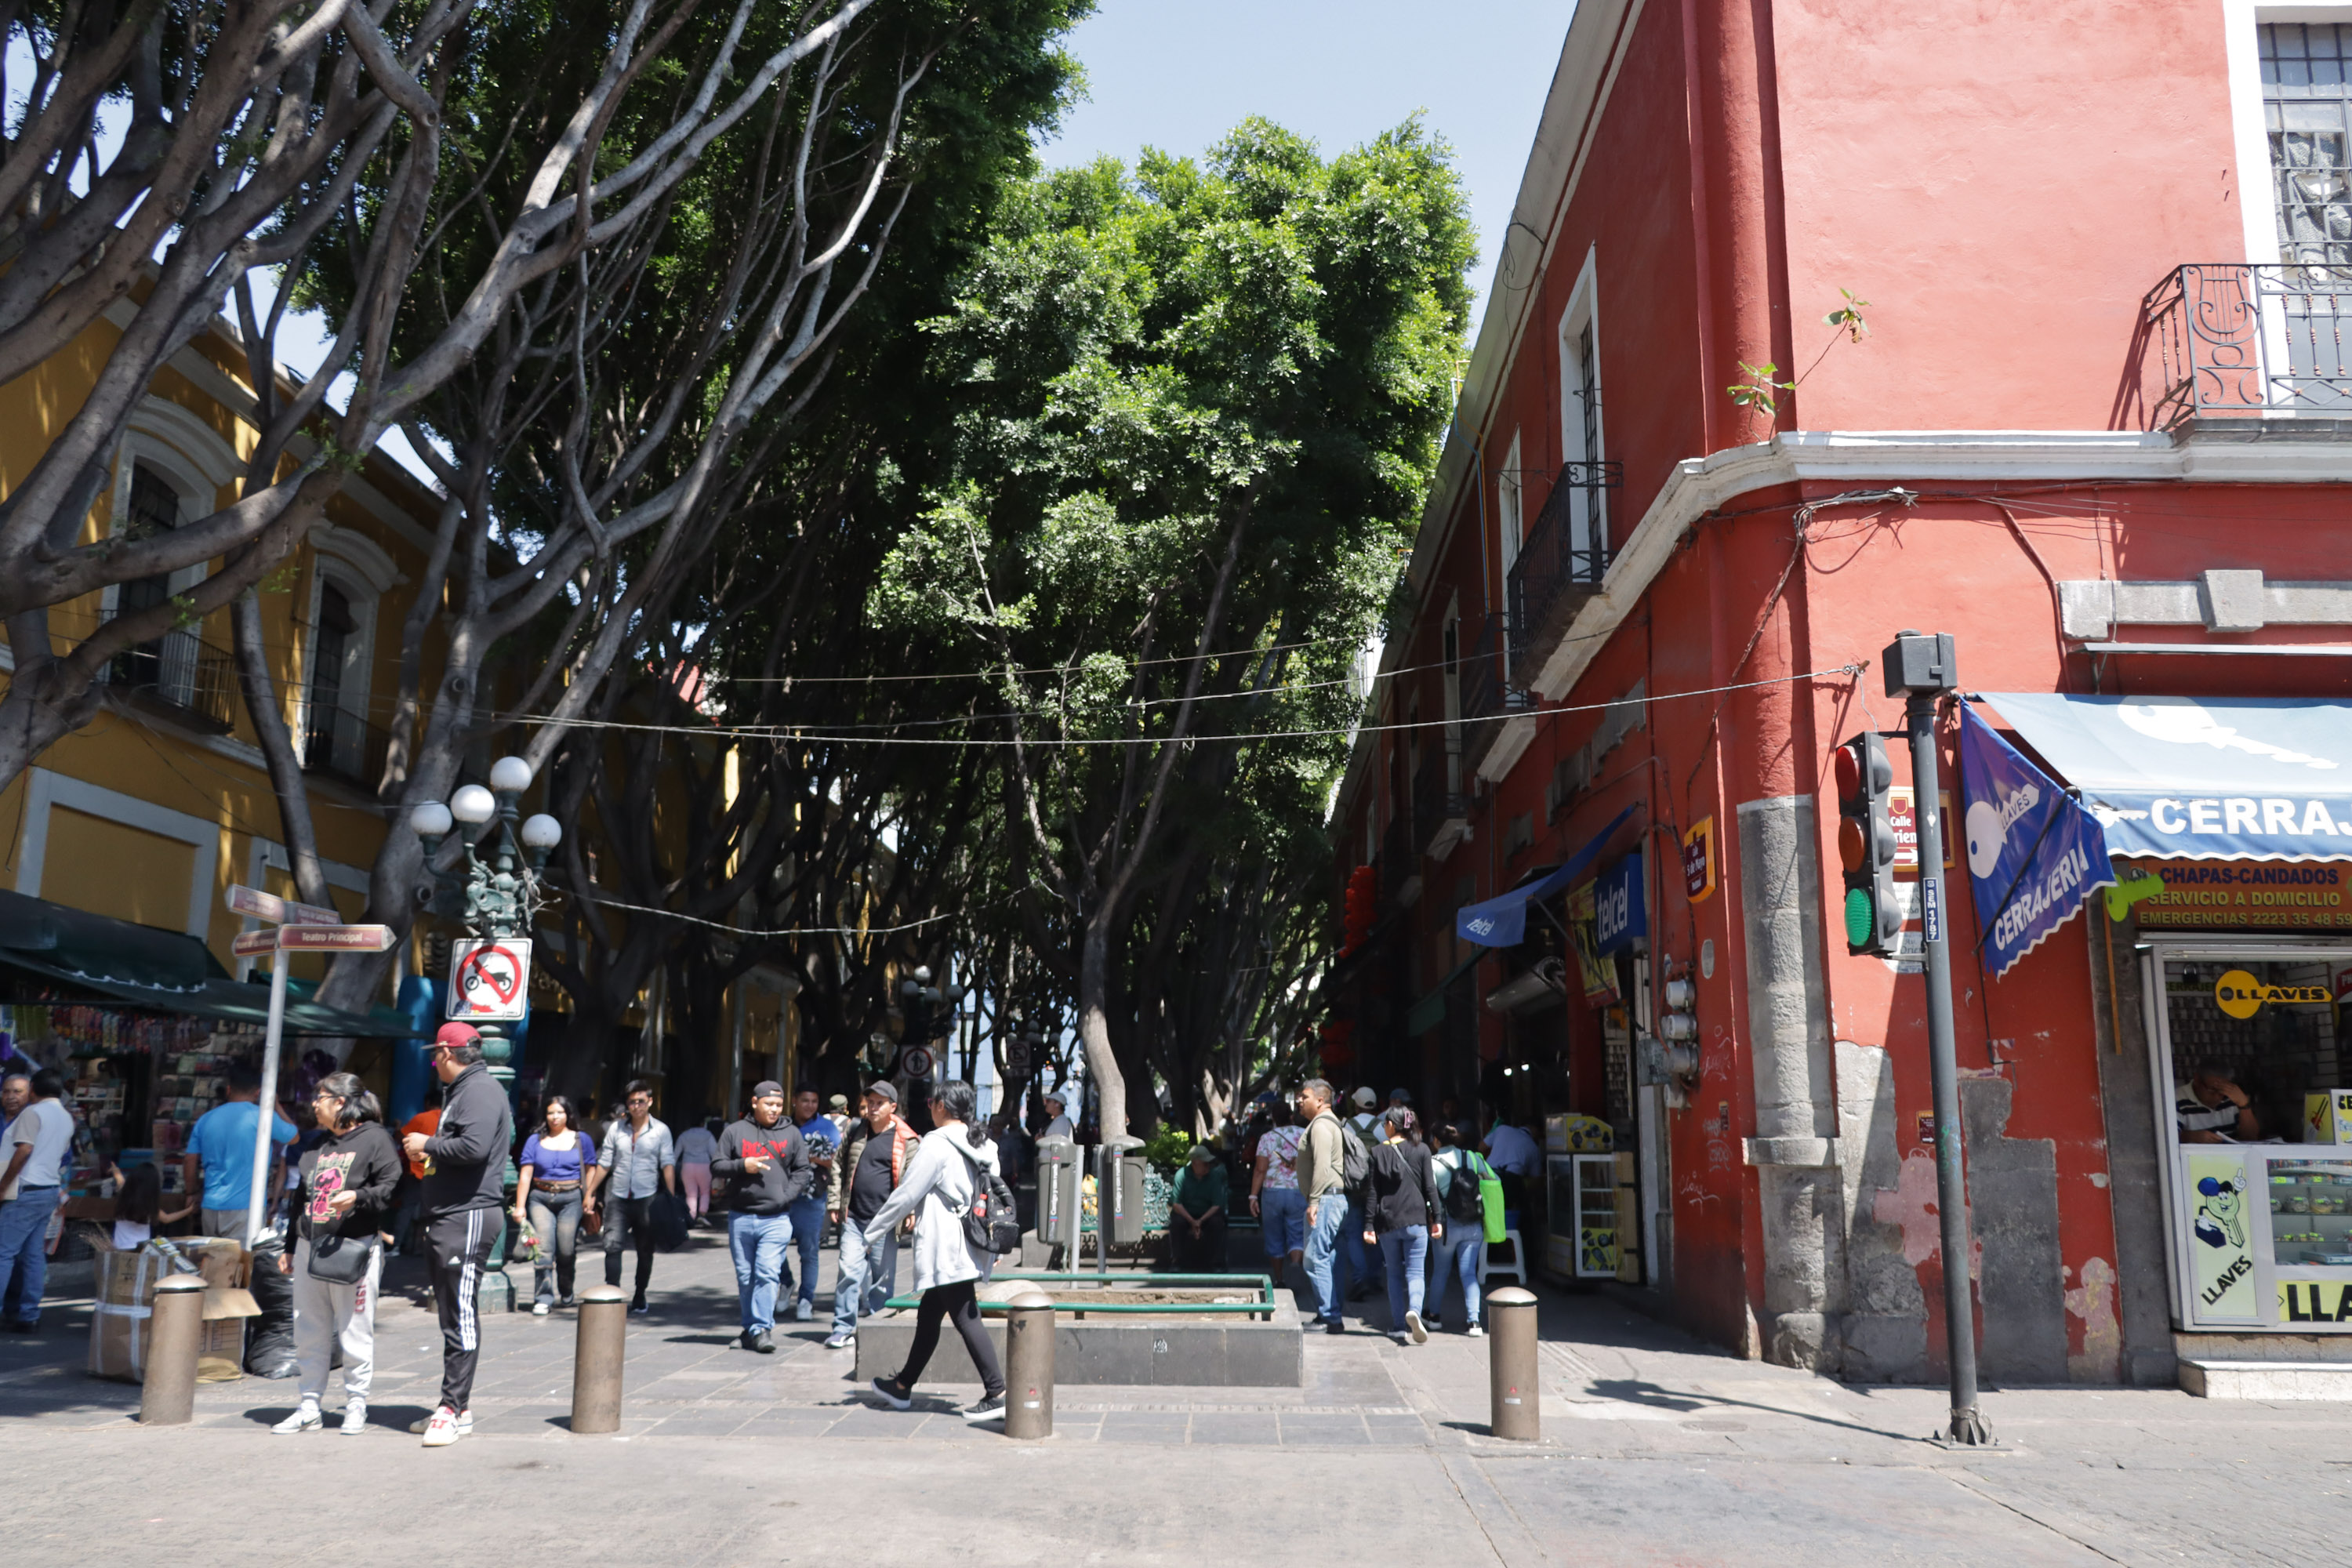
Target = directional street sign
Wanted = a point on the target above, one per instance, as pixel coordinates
(261, 905)
(489, 981)
(313, 915)
(333, 939)
(252, 944)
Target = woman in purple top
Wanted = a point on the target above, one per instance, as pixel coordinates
(547, 1198)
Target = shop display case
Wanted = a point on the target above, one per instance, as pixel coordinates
(1581, 1236)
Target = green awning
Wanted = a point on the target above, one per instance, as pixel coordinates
(1430, 1011)
(162, 972)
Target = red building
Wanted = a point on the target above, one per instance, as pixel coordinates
(2035, 311)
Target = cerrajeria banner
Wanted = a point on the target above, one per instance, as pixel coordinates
(2033, 854)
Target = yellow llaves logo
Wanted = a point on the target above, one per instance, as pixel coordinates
(2241, 996)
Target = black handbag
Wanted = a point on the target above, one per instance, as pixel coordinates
(340, 1259)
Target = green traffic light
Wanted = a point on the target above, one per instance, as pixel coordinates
(1860, 918)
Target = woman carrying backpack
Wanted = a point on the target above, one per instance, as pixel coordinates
(950, 1174)
(1398, 1197)
(1462, 1251)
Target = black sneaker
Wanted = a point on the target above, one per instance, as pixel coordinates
(637, 1308)
(764, 1344)
(896, 1395)
(990, 1408)
(1335, 1328)
(747, 1340)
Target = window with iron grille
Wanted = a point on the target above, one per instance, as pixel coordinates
(2307, 113)
(1581, 426)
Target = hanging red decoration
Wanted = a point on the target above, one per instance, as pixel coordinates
(1363, 907)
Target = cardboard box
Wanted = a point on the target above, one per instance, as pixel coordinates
(2328, 1116)
(126, 1298)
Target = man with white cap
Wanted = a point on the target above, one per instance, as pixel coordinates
(1058, 1106)
(1365, 1270)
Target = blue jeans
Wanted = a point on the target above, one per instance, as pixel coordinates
(756, 1243)
(1364, 1262)
(1282, 1212)
(1405, 1254)
(867, 1276)
(23, 1248)
(1458, 1257)
(1322, 1252)
(808, 1235)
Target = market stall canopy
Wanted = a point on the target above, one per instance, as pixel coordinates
(1502, 922)
(160, 971)
(2200, 778)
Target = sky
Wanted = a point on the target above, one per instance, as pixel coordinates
(1178, 74)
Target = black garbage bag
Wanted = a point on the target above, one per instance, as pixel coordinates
(667, 1218)
(269, 1338)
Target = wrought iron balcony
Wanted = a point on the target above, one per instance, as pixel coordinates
(345, 747)
(1492, 686)
(2235, 339)
(1563, 560)
(180, 672)
(1441, 811)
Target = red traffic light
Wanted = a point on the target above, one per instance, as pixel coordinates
(1849, 779)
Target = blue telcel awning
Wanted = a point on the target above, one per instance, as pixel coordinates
(2200, 778)
(1502, 922)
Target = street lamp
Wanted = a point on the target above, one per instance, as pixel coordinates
(495, 893)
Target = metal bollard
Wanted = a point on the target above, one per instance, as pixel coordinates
(1511, 1376)
(175, 1331)
(1029, 1365)
(596, 1363)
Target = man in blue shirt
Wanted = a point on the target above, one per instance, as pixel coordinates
(219, 1161)
(824, 1140)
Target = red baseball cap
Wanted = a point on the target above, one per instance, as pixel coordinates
(457, 1033)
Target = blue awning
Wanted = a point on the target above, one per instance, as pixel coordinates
(2200, 778)
(1502, 922)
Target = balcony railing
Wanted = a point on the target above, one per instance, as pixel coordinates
(1563, 560)
(195, 680)
(1491, 685)
(1440, 810)
(2236, 340)
(344, 746)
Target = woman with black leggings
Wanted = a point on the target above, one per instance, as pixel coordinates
(949, 1166)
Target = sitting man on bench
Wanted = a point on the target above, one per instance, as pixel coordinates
(1196, 1215)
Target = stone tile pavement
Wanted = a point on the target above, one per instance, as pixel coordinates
(1656, 1449)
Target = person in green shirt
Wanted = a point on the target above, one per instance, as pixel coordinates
(1196, 1215)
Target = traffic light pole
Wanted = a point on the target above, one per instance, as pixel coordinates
(1967, 1427)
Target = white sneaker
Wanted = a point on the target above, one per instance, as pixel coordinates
(1477, 1333)
(305, 1419)
(540, 1308)
(803, 1309)
(443, 1429)
(464, 1423)
(840, 1342)
(1412, 1325)
(354, 1417)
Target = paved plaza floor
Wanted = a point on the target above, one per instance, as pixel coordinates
(1655, 1450)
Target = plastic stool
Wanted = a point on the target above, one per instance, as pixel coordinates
(1516, 1267)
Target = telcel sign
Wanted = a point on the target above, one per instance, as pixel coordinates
(2241, 996)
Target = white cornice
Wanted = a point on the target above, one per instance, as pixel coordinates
(1700, 485)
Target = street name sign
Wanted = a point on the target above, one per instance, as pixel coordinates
(252, 944)
(333, 939)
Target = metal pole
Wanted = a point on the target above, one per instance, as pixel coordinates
(1514, 1402)
(176, 1329)
(1029, 1365)
(1106, 1187)
(597, 1363)
(1967, 1424)
(265, 1102)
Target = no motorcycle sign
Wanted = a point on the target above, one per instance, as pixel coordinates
(489, 981)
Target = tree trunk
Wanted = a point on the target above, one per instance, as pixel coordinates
(1094, 1025)
(299, 835)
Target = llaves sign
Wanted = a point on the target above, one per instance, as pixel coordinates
(2221, 1258)
(2314, 1301)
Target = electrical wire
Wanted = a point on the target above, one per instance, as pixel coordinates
(800, 931)
(788, 732)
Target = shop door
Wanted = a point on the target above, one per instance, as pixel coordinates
(2255, 1092)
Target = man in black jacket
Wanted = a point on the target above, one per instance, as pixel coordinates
(766, 1163)
(463, 1197)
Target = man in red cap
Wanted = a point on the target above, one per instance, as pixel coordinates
(463, 1197)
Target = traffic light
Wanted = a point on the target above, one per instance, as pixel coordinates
(1873, 915)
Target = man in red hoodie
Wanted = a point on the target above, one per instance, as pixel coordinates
(872, 1161)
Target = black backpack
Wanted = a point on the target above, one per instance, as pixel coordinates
(992, 1222)
(1463, 1200)
(1355, 1156)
